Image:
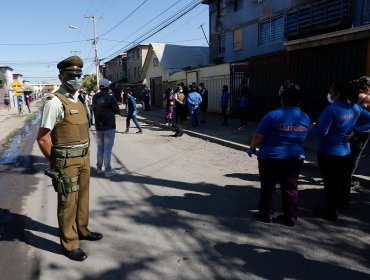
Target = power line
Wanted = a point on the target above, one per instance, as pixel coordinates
(130, 14)
(185, 23)
(159, 27)
(155, 17)
(42, 44)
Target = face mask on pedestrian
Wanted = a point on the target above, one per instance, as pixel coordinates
(72, 84)
(330, 100)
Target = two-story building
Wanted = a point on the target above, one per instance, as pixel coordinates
(314, 41)
(115, 69)
(135, 61)
(7, 72)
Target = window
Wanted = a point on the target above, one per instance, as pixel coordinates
(367, 13)
(155, 62)
(134, 72)
(138, 54)
(238, 39)
(271, 31)
(221, 43)
(139, 71)
(128, 73)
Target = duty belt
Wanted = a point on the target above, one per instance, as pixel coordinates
(68, 153)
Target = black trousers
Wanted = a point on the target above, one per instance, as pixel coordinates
(336, 173)
(357, 148)
(285, 172)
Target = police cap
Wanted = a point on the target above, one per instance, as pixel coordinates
(72, 64)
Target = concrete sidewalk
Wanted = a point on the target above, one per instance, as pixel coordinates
(230, 136)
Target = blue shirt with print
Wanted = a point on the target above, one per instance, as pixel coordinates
(285, 130)
(335, 122)
(194, 99)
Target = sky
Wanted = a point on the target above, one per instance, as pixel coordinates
(35, 35)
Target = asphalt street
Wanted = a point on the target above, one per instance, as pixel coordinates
(182, 208)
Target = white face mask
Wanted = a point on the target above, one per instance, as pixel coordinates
(330, 100)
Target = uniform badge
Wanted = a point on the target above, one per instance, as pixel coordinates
(73, 111)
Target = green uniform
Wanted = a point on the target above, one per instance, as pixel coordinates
(66, 117)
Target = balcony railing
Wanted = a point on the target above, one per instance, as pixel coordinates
(326, 14)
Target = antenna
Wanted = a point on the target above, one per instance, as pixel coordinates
(201, 26)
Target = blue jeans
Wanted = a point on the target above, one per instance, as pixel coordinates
(105, 141)
(194, 117)
(133, 117)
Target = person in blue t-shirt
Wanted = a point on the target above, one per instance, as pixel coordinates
(131, 111)
(225, 100)
(280, 137)
(146, 95)
(334, 128)
(358, 143)
(244, 105)
(194, 99)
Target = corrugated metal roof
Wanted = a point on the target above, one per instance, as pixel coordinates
(175, 57)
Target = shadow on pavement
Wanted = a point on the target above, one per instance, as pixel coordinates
(15, 227)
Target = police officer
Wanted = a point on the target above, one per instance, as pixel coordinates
(63, 138)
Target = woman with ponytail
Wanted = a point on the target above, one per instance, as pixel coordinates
(334, 128)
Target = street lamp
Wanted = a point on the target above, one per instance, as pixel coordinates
(95, 44)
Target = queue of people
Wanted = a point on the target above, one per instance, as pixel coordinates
(281, 135)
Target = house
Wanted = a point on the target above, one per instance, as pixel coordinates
(165, 59)
(314, 41)
(7, 72)
(18, 77)
(241, 29)
(116, 69)
(135, 61)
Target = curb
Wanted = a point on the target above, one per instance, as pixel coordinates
(212, 139)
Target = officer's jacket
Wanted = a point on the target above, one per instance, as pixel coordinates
(74, 128)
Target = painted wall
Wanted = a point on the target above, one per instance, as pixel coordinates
(213, 77)
(155, 71)
(135, 60)
(247, 16)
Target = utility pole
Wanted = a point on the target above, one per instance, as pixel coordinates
(201, 26)
(95, 43)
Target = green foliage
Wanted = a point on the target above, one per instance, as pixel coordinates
(89, 83)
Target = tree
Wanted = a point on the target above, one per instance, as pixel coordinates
(89, 82)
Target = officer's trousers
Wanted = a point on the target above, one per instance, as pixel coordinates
(73, 210)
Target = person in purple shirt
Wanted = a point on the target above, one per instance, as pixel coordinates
(339, 121)
(280, 137)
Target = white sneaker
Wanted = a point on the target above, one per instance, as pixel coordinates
(99, 171)
(111, 173)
